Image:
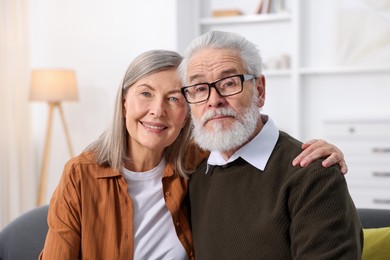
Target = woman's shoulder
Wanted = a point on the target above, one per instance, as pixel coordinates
(195, 156)
(84, 158)
(84, 167)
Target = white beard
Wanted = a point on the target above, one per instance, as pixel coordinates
(225, 140)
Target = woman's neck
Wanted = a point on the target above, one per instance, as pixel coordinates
(142, 161)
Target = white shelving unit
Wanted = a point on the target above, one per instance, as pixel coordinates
(322, 82)
(366, 145)
(265, 18)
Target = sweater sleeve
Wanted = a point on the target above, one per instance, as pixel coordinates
(63, 237)
(324, 221)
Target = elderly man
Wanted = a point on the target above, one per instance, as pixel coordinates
(247, 200)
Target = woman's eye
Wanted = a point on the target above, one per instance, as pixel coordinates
(145, 94)
(173, 99)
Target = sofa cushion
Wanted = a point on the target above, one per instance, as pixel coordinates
(24, 237)
(376, 244)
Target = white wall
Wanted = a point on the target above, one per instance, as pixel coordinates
(98, 39)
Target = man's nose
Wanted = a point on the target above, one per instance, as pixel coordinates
(215, 100)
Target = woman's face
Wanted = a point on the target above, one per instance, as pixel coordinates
(155, 112)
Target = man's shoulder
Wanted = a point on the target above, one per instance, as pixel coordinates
(286, 139)
(287, 148)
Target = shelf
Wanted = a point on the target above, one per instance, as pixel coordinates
(327, 71)
(277, 73)
(258, 18)
(344, 70)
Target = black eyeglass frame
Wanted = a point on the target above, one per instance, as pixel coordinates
(243, 78)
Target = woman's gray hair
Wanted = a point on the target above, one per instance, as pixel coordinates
(111, 147)
(249, 52)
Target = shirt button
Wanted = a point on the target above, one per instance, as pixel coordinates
(178, 224)
(167, 194)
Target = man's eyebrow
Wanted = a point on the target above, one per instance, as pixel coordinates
(222, 74)
(227, 73)
(193, 77)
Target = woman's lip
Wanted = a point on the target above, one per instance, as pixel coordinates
(154, 126)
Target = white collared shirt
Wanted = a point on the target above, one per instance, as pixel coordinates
(256, 152)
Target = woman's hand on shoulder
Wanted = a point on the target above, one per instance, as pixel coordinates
(318, 148)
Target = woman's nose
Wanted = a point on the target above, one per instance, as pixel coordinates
(157, 108)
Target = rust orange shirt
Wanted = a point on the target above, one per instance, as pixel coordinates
(91, 214)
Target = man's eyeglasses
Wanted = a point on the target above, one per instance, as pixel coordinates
(225, 87)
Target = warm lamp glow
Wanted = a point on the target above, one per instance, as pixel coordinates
(53, 85)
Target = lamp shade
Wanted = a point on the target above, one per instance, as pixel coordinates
(53, 85)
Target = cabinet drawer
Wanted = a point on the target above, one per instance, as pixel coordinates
(357, 129)
(359, 168)
(368, 175)
(368, 198)
(369, 159)
(363, 147)
(370, 183)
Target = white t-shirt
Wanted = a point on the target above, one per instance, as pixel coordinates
(154, 232)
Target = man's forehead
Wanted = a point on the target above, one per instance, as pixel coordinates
(220, 62)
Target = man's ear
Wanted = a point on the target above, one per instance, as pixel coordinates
(260, 86)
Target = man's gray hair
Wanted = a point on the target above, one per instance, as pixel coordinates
(249, 52)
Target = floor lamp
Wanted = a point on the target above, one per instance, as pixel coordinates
(52, 86)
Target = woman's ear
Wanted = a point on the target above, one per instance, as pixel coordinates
(124, 108)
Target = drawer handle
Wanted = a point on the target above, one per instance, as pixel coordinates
(381, 150)
(381, 174)
(381, 201)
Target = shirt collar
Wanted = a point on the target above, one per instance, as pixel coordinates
(257, 152)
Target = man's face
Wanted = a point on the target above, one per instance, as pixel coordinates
(219, 115)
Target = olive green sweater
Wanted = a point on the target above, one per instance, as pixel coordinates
(283, 212)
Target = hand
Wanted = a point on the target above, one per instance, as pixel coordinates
(317, 148)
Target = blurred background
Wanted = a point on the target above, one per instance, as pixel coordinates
(327, 65)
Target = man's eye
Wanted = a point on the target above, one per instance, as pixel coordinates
(228, 83)
(201, 88)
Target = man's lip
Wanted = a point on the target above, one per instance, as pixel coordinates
(217, 118)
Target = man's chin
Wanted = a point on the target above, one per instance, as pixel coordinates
(216, 127)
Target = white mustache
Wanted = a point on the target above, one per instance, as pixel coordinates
(219, 112)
